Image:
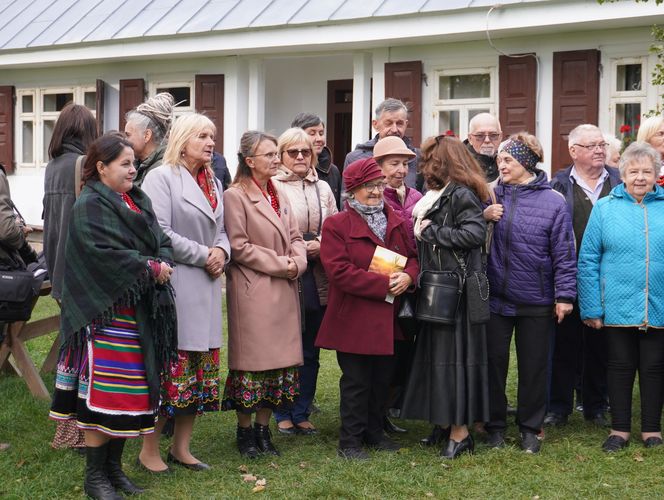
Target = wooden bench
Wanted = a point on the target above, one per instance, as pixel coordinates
(17, 334)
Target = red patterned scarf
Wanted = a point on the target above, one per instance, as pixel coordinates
(270, 196)
(206, 183)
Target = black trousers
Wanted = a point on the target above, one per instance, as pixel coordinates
(363, 388)
(533, 341)
(630, 351)
(573, 337)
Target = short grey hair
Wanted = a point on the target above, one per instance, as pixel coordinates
(578, 131)
(472, 124)
(638, 151)
(390, 105)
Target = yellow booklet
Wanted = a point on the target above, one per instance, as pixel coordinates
(385, 261)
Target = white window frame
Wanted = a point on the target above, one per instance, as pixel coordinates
(464, 106)
(178, 110)
(627, 96)
(38, 117)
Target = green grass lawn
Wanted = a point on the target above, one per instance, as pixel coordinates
(571, 464)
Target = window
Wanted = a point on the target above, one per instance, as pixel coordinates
(182, 93)
(628, 96)
(462, 94)
(38, 110)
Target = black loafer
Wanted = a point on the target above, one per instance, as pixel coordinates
(455, 449)
(306, 431)
(142, 467)
(652, 442)
(555, 419)
(287, 431)
(438, 435)
(391, 428)
(198, 466)
(614, 443)
(495, 440)
(530, 443)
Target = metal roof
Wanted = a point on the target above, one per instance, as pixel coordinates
(26, 24)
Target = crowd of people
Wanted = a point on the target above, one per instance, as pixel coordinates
(141, 226)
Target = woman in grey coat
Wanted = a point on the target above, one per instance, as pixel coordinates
(186, 198)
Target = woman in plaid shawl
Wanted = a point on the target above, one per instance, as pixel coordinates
(118, 316)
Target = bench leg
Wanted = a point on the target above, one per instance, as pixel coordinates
(28, 369)
(51, 360)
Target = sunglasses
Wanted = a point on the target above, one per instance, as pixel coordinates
(294, 153)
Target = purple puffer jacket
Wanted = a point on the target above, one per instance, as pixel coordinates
(405, 211)
(532, 260)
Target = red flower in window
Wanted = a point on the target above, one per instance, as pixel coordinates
(625, 129)
(449, 132)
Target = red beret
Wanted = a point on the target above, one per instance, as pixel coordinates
(361, 171)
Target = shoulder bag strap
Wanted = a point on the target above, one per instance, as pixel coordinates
(320, 210)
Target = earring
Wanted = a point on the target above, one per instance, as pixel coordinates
(351, 196)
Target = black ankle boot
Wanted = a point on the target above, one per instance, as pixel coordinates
(114, 469)
(246, 442)
(97, 484)
(263, 439)
(455, 449)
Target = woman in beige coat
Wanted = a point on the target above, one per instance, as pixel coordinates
(268, 255)
(312, 202)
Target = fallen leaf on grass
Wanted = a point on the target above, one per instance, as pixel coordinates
(258, 489)
(536, 497)
(249, 478)
(428, 494)
(303, 465)
(581, 458)
(273, 465)
(638, 457)
(445, 466)
(413, 464)
(606, 485)
(20, 463)
(243, 469)
(261, 482)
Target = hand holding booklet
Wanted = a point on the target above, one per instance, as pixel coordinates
(386, 262)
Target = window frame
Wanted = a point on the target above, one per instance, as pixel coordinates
(177, 111)
(627, 96)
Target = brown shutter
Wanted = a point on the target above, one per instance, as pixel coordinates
(7, 100)
(575, 98)
(404, 81)
(517, 77)
(210, 101)
(132, 93)
(99, 106)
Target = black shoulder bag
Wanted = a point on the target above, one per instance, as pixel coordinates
(439, 294)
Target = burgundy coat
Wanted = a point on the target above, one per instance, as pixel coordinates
(358, 320)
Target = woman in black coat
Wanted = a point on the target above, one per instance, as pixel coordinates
(448, 384)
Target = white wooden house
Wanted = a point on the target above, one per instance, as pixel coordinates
(542, 65)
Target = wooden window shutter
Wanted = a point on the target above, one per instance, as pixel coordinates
(7, 100)
(575, 98)
(209, 100)
(99, 106)
(517, 81)
(132, 93)
(403, 81)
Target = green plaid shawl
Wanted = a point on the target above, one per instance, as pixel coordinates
(106, 256)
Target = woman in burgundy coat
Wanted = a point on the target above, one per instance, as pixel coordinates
(365, 351)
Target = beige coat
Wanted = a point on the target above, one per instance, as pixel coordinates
(263, 304)
(313, 202)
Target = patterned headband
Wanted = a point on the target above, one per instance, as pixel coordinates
(522, 153)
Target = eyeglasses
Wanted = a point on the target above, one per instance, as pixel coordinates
(592, 147)
(294, 153)
(371, 186)
(270, 156)
(659, 134)
(493, 136)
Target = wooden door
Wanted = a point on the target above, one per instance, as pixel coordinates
(7, 101)
(339, 119)
(403, 81)
(99, 106)
(517, 81)
(575, 98)
(209, 100)
(132, 93)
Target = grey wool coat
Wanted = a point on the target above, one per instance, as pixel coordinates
(187, 218)
(264, 323)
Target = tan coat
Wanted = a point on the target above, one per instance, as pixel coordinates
(263, 304)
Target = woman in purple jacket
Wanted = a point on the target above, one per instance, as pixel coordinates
(532, 275)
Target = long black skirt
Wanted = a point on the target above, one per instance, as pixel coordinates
(449, 378)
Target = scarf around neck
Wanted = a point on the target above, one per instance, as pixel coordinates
(423, 206)
(373, 215)
(106, 258)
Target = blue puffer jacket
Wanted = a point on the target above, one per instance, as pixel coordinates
(621, 263)
(532, 260)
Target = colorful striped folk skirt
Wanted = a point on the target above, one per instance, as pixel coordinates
(102, 385)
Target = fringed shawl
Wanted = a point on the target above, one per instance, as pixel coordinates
(106, 257)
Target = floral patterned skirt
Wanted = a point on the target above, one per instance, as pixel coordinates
(193, 385)
(247, 391)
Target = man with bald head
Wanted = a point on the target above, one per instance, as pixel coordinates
(582, 184)
(484, 136)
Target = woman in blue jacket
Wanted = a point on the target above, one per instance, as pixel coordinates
(532, 275)
(621, 288)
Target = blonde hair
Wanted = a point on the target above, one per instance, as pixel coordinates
(295, 135)
(648, 128)
(184, 128)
